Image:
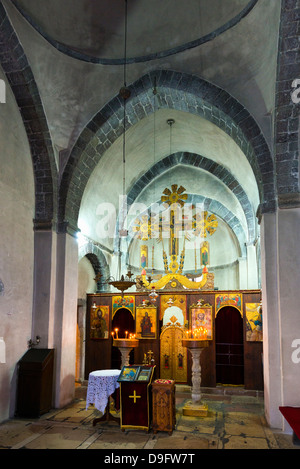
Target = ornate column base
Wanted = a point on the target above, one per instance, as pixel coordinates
(195, 409)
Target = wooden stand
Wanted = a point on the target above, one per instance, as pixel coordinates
(163, 406)
(107, 416)
(35, 383)
(135, 399)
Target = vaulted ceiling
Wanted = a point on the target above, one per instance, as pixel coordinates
(76, 49)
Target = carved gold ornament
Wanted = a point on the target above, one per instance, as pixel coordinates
(204, 223)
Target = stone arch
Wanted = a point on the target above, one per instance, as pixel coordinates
(286, 115)
(176, 91)
(98, 260)
(201, 162)
(20, 77)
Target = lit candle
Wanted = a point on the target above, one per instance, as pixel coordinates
(126, 334)
(116, 331)
(112, 334)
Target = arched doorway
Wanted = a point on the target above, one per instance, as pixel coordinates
(123, 321)
(229, 346)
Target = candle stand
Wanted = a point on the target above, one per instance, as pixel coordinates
(195, 407)
(125, 346)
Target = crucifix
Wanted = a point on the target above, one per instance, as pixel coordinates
(134, 397)
(173, 224)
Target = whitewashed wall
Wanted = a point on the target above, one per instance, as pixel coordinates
(16, 247)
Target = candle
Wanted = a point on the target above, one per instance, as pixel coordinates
(126, 334)
(116, 331)
(112, 334)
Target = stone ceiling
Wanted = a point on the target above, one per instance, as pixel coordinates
(75, 49)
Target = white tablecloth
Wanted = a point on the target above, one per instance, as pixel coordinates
(101, 384)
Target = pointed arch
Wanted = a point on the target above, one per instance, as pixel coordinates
(22, 82)
(98, 261)
(217, 170)
(177, 91)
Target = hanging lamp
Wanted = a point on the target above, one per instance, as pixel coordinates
(126, 281)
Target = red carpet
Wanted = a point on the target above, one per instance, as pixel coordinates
(292, 415)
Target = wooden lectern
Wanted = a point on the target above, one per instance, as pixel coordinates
(135, 397)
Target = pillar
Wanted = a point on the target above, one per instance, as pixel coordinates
(281, 320)
(242, 273)
(252, 273)
(54, 316)
(271, 331)
(44, 286)
(65, 318)
(288, 293)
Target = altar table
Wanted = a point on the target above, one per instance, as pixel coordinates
(101, 385)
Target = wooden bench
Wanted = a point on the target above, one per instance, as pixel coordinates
(292, 416)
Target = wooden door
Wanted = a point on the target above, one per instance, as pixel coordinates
(229, 346)
(173, 356)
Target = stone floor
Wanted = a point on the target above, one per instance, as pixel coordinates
(235, 420)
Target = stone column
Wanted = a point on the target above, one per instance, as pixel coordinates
(288, 294)
(65, 318)
(54, 316)
(44, 285)
(252, 273)
(125, 352)
(196, 375)
(242, 273)
(281, 319)
(271, 332)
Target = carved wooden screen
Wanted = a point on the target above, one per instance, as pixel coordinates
(173, 356)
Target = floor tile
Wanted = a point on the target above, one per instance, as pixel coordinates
(121, 440)
(235, 420)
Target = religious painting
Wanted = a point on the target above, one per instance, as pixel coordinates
(144, 257)
(145, 374)
(204, 254)
(145, 324)
(229, 299)
(129, 373)
(99, 321)
(254, 322)
(123, 302)
(200, 325)
(173, 309)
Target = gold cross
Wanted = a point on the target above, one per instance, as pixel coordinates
(134, 397)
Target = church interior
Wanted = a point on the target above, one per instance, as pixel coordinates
(150, 208)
